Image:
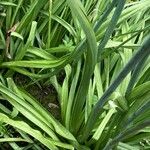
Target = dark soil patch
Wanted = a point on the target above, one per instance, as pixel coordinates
(45, 94)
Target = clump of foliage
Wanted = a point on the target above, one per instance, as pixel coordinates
(95, 53)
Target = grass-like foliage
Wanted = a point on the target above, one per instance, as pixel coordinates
(95, 53)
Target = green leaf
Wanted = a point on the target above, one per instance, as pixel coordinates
(34, 63)
(13, 140)
(7, 3)
(26, 128)
(111, 26)
(91, 57)
(15, 34)
(97, 110)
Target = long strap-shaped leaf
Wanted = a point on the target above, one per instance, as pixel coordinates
(126, 133)
(91, 58)
(34, 63)
(80, 47)
(111, 26)
(105, 15)
(27, 110)
(74, 55)
(135, 75)
(49, 143)
(140, 111)
(97, 110)
(31, 13)
(35, 112)
(72, 95)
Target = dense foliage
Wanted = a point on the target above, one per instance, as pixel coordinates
(95, 53)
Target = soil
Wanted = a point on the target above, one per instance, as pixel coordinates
(45, 94)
